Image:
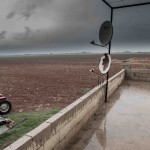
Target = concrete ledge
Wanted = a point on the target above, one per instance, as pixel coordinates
(135, 65)
(57, 131)
(115, 81)
(138, 74)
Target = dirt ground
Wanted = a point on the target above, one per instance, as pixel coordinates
(38, 82)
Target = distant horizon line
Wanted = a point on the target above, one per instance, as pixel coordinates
(73, 53)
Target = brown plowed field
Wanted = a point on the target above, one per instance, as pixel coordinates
(38, 82)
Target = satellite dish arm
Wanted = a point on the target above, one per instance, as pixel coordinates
(93, 43)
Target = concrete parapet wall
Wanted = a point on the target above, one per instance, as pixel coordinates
(57, 131)
(138, 74)
(135, 65)
(115, 81)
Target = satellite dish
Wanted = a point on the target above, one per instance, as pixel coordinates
(105, 63)
(105, 32)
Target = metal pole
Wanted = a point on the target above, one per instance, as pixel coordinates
(127, 6)
(106, 89)
(107, 4)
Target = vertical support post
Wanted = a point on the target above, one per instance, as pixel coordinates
(109, 51)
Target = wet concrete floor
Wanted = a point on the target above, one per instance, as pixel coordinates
(121, 124)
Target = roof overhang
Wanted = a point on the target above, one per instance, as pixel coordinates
(116, 4)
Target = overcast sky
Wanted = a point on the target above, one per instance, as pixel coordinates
(59, 25)
(132, 29)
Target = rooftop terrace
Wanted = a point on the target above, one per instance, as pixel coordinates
(122, 123)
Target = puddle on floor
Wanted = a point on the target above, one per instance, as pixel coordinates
(121, 124)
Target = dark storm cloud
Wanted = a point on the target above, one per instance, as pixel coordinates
(53, 24)
(66, 19)
(11, 15)
(26, 35)
(27, 32)
(3, 34)
(49, 37)
(23, 8)
(64, 9)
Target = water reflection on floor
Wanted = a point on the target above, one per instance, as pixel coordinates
(122, 124)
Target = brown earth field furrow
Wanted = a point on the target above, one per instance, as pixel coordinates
(39, 82)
